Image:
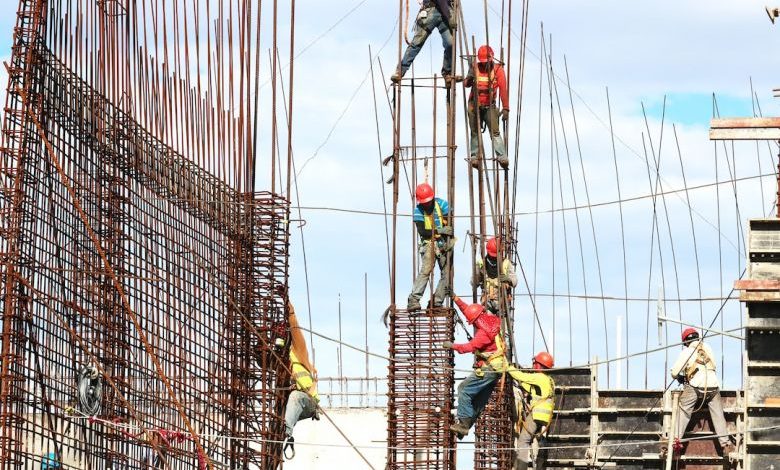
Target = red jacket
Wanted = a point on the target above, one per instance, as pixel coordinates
(486, 84)
(486, 328)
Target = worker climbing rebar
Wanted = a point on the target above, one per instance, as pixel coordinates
(436, 243)
(490, 366)
(433, 14)
(491, 280)
(695, 369)
(488, 77)
(534, 402)
(303, 400)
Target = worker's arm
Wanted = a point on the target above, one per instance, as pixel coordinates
(509, 277)
(460, 303)
(480, 341)
(531, 379)
(478, 277)
(502, 90)
(425, 234)
(679, 364)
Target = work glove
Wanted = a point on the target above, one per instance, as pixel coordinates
(505, 114)
(447, 230)
(447, 345)
(468, 81)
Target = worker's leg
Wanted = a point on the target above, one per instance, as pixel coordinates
(446, 42)
(427, 260)
(524, 441)
(471, 400)
(718, 419)
(495, 131)
(296, 406)
(443, 287)
(421, 34)
(688, 401)
(475, 130)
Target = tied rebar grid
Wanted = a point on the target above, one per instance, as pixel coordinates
(118, 252)
(421, 379)
(494, 431)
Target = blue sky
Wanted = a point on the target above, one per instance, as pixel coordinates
(641, 51)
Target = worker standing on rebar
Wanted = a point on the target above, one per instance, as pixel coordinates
(488, 347)
(303, 400)
(491, 280)
(436, 243)
(433, 14)
(534, 405)
(487, 76)
(695, 368)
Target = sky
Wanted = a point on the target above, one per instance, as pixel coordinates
(664, 64)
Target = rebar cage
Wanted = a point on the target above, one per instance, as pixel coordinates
(127, 263)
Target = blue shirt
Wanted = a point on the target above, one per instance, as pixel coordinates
(419, 217)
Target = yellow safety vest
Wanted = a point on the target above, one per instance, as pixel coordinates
(303, 378)
(490, 290)
(428, 218)
(541, 389)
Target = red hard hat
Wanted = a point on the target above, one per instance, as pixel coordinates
(484, 54)
(544, 359)
(689, 331)
(424, 193)
(492, 247)
(472, 312)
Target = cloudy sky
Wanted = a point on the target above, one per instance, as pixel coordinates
(683, 54)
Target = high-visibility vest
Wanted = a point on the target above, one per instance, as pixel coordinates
(542, 396)
(428, 218)
(491, 284)
(303, 378)
(486, 86)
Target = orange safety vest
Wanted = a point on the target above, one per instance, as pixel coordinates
(486, 86)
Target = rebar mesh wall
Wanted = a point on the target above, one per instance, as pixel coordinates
(121, 253)
(420, 398)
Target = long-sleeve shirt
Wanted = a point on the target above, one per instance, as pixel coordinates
(486, 328)
(496, 80)
(704, 377)
(487, 268)
(436, 218)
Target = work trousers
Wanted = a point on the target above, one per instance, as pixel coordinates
(300, 405)
(425, 27)
(474, 393)
(428, 259)
(690, 399)
(488, 115)
(524, 441)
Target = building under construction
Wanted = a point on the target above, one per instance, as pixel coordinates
(146, 245)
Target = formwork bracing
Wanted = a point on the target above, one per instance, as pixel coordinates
(144, 277)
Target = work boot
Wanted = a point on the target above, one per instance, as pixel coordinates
(396, 77)
(449, 78)
(503, 161)
(413, 306)
(521, 465)
(474, 161)
(461, 427)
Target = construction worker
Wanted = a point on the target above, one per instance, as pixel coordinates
(433, 14)
(488, 277)
(436, 243)
(303, 400)
(487, 76)
(488, 347)
(534, 405)
(695, 368)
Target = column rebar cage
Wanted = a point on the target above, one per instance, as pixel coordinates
(142, 287)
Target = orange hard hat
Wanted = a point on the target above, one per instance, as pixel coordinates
(472, 312)
(424, 193)
(484, 54)
(544, 359)
(492, 247)
(688, 332)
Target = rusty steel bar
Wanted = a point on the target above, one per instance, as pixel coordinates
(133, 240)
